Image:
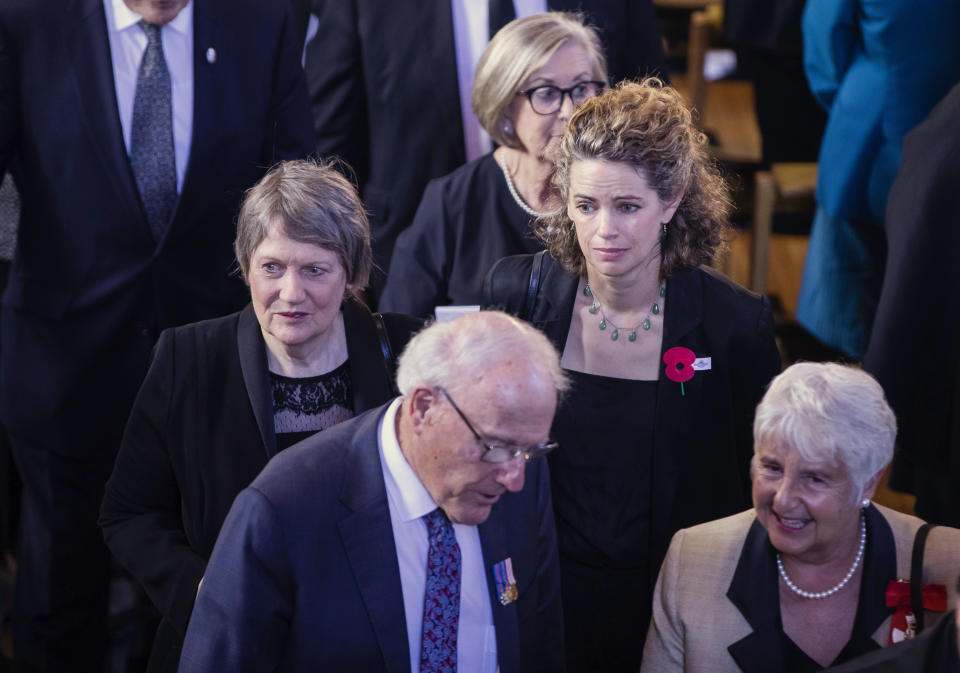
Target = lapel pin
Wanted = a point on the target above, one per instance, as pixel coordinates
(211, 55)
(679, 361)
(506, 582)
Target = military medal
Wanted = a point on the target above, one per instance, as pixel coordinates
(506, 582)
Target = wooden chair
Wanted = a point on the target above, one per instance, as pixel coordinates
(786, 187)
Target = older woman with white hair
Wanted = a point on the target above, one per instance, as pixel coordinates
(531, 76)
(805, 579)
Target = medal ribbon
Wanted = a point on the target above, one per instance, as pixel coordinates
(898, 596)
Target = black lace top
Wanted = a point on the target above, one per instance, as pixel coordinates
(304, 406)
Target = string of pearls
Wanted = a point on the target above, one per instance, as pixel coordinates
(829, 592)
(516, 196)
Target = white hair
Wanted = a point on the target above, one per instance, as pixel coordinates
(453, 354)
(832, 413)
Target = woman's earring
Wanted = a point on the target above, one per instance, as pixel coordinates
(507, 128)
(664, 229)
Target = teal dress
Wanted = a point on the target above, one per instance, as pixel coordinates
(878, 67)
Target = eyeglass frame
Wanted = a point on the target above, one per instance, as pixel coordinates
(529, 453)
(563, 92)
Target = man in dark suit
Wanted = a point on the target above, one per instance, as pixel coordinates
(387, 92)
(403, 539)
(913, 348)
(131, 144)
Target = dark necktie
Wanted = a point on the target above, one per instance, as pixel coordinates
(441, 597)
(151, 138)
(500, 13)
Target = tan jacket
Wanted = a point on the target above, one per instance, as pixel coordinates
(695, 620)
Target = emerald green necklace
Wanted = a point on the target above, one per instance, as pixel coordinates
(644, 325)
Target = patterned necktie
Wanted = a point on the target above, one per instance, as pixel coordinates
(151, 138)
(441, 597)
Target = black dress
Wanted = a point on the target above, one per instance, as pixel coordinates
(466, 221)
(601, 483)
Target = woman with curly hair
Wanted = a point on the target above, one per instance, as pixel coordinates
(668, 357)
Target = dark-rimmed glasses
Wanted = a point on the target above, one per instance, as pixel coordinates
(547, 99)
(500, 453)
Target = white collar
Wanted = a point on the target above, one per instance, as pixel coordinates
(124, 17)
(404, 488)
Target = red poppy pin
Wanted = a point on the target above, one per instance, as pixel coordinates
(679, 361)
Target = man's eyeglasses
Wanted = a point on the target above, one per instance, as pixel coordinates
(499, 453)
(547, 99)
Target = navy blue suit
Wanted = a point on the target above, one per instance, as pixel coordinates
(305, 577)
(90, 288)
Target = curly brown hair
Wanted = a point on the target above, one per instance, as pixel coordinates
(648, 126)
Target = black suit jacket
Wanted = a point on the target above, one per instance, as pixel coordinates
(913, 348)
(383, 84)
(305, 574)
(703, 439)
(90, 288)
(200, 431)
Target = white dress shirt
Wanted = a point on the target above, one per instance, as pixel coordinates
(127, 44)
(471, 30)
(409, 501)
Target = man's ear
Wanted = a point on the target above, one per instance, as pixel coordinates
(422, 399)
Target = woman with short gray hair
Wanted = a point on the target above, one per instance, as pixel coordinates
(224, 396)
(534, 72)
(809, 577)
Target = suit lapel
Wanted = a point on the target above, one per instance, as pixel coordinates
(673, 421)
(754, 590)
(207, 30)
(368, 542)
(368, 373)
(256, 376)
(493, 543)
(92, 69)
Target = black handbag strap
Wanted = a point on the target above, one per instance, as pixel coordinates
(533, 285)
(385, 348)
(916, 573)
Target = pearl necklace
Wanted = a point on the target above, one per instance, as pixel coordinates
(516, 196)
(645, 324)
(829, 592)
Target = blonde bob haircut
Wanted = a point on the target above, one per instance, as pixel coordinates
(648, 126)
(519, 48)
(308, 202)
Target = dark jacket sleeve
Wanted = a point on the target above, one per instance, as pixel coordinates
(290, 131)
(141, 516)
(756, 361)
(420, 266)
(335, 81)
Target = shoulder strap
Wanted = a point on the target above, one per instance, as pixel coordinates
(386, 350)
(916, 573)
(534, 284)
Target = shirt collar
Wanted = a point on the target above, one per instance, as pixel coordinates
(124, 17)
(404, 488)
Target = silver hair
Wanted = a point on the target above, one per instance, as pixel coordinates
(829, 412)
(454, 354)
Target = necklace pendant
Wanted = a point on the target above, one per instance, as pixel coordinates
(663, 289)
(646, 323)
(614, 335)
(633, 336)
(655, 309)
(603, 323)
(586, 290)
(593, 310)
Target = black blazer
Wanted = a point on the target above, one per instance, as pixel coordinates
(90, 288)
(466, 222)
(913, 348)
(702, 440)
(201, 429)
(291, 591)
(382, 76)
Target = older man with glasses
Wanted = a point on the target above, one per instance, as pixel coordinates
(404, 537)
